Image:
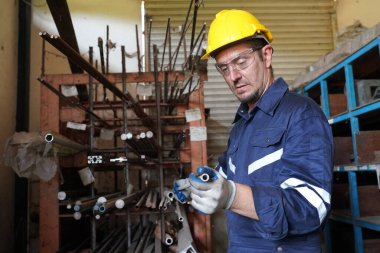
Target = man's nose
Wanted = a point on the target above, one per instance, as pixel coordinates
(234, 74)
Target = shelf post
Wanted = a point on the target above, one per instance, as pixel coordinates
(354, 204)
(325, 98)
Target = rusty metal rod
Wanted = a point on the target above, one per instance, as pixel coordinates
(101, 53)
(138, 49)
(140, 202)
(165, 41)
(107, 49)
(102, 64)
(64, 48)
(182, 34)
(201, 33)
(148, 44)
(170, 48)
(195, 14)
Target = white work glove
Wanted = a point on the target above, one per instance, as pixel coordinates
(211, 192)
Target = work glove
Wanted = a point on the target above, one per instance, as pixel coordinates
(210, 191)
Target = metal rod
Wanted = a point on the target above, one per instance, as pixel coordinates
(43, 58)
(201, 33)
(182, 34)
(170, 47)
(92, 143)
(158, 128)
(101, 53)
(165, 41)
(139, 203)
(102, 64)
(138, 50)
(195, 13)
(148, 44)
(125, 125)
(64, 144)
(107, 49)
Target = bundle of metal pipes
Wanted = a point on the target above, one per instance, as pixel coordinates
(142, 143)
(113, 201)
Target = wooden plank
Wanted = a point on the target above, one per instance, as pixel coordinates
(201, 222)
(49, 212)
(344, 152)
(338, 103)
(368, 146)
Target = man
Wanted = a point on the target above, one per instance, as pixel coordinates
(275, 177)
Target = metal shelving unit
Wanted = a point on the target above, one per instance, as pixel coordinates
(356, 130)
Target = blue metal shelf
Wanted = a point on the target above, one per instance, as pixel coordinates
(344, 69)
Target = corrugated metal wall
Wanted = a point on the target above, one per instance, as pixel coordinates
(302, 32)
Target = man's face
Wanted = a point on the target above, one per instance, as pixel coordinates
(247, 75)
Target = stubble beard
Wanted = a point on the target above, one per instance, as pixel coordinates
(252, 98)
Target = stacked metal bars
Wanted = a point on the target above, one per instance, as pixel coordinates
(176, 94)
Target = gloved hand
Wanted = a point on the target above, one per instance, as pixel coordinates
(209, 196)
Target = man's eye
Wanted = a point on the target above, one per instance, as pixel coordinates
(241, 62)
(223, 68)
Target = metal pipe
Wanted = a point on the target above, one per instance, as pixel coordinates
(148, 44)
(102, 65)
(195, 13)
(178, 211)
(107, 49)
(138, 49)
(63, 145)
(165, 41)
(158, 129)
(91, 141)
(125, 126)
(101, 53)
(182, 34)
(195, 43)
(139, 203)
(148, 202)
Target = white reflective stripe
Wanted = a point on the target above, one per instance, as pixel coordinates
(294, 182)
(315, 200)
(231, 165)
(268, 159)
(221, 172)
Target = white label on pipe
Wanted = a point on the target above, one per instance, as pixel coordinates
(69, 90)
(86, 176)
(198, 133)
(193, 115)
(144, 90)
(107, 134)
(77, 126)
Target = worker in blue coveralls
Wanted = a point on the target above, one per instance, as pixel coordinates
(275, 177)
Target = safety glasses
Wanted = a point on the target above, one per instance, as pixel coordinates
(240, 62)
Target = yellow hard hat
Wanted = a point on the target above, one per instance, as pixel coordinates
(233, 25)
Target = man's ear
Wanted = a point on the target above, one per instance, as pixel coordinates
(267, 55)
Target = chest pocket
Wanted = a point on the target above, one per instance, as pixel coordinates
(267, 148)
(267, 137)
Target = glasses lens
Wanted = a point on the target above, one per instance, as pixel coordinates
(240, 62)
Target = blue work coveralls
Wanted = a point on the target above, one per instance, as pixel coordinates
(282, 149)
